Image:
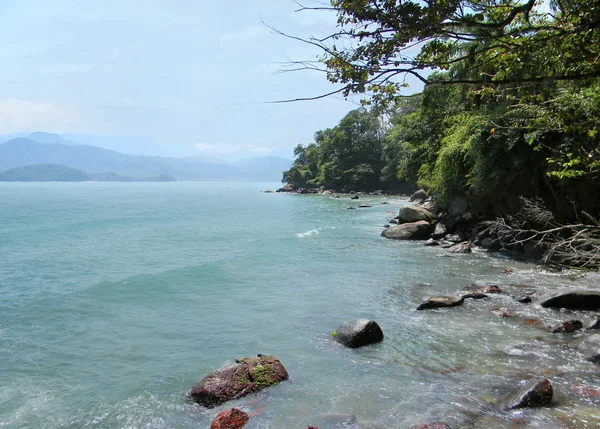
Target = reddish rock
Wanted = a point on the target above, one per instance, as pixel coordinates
(230, 419)
(246, 376)
(490, 289)
(440, 301)
(584, 391)
(536, 393)
(434, 425)
(502, 311)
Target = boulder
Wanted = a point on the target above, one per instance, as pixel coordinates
(421, 194)
(431, 242)
(465, 247)
(439, 231)
(354, 197)
(490, 243)
(535, 393)
(414, 214)
(358, 333)
(441, 302)
(286, 188)
(230, 419)
(490, 289)
(420, 230)
(572, 299)
(566, 327)
(457, 237)
(590, 347)
(246, 376)
(431, 207)
(458, 207)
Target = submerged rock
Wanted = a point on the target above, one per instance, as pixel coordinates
(230, 419)
(354, 197)
(535, 393)
(246, 376)
(461, 248)
(572, 299)
(566, 327)
(441, 302)
(414, 214)
(590, 347)
(358, 333)
(409, 231)
(434, 425)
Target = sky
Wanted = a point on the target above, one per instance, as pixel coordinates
(191, 76)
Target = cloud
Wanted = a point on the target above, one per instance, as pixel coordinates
(26, 115)
(225, 148)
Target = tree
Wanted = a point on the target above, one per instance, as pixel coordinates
(492, 44)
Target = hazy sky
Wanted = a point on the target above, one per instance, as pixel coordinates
(184, 72)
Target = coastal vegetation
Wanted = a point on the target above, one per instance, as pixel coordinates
(509, 118)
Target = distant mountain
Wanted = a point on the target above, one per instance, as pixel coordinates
(44, 173)
(62, 173)
(53, 149)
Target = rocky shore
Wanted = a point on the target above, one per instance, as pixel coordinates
(455, 229)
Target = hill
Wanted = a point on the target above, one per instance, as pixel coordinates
(53, 149)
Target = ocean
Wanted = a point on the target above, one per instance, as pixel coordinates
(115, 298)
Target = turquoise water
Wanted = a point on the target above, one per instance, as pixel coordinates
(116, 298)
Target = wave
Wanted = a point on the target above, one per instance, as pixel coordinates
(311, 232)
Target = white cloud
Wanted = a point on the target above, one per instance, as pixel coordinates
(30, 115)
(225, 148)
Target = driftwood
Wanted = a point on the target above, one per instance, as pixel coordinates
(574, 245)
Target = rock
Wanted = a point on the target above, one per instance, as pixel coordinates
(572, 300)
(441, 302)
(439, 231)
(384, 202)
(358, 333)
(269, 191)
(490, 289)
(502, 311)
(431, 207)
(434, 425)
(458, 207)
(354, 197)
(535, 393)
(431, 242)
(566, 327)
(421, 194)
(387, 225)
(365, 205)
(287, 188)
(394, 221)
(472, 295)
(414, 214)
(465, 247)
(230, 419)
(351, 208)
(590, 347)
(595, 324)
(492, 244)
(246, 376)
(457, 237)
(409, 231)
(524, 299)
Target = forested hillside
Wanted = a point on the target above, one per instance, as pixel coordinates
(511, 113)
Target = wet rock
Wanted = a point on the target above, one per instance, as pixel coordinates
(595, 324)
(414, 214)
(354, 197)
(502, 311)
(434, 425)
(472, 295)
(351, 208)
(441, 302)
(457, 237)
(286, 188)
(466, 247)
(439, 231)
(590, 347)
(387, 225)
(490, 289)
(584, 391)
(358, 333)
(524, 299)
(572, 299)
(566, 327)
(534, 394)
(409, 231)
(431, 242)
(384, 202)
(246, 376)
(489, 243)
(394, 221)
(365, 205)
(230, 419)
(421, 194)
